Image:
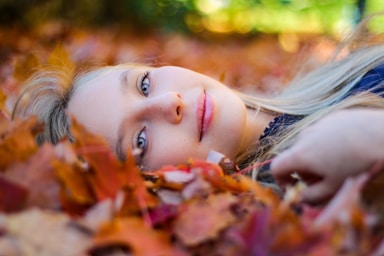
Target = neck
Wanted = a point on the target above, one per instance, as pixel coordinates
(257, 121)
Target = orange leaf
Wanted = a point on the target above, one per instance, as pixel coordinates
(263, 194)
(74, 185)
(19, 142)
(135, 235)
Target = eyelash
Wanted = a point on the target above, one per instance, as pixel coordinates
(142, 83)
(141, 137)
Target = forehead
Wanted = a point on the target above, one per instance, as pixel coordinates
(97, 102)
(93, 78)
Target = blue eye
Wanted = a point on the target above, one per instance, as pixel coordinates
(141, 141)
(145, 84)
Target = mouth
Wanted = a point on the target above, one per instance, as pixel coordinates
(204, 114)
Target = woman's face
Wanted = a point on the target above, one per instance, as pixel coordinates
(171, 114)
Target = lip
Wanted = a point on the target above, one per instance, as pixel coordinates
(204, 114)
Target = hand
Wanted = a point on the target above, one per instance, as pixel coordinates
(342, 144)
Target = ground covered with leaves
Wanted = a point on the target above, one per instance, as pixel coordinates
(78, 199)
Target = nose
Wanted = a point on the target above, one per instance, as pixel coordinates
(168, 106)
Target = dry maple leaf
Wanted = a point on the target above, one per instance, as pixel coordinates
(134, 235)
(38, 177)
(43, 233)
(75, 191)
(18, 143)
(198, 219)
(13, 196)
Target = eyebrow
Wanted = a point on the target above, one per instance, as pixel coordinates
(121, 130)
(124, 81)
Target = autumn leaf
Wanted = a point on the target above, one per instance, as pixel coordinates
(136, 236)
(255, 236)
(198, 222)
(38, 177)
(18, 143)
(44, 233)
(75, 193)
(13, 196)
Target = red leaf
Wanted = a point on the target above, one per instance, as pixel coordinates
(198, 220)
(38, 177)
(13, 197)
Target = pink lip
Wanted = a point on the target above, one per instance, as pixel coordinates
(204, 114)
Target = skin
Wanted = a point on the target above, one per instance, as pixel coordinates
(165, 118)
(343, 144)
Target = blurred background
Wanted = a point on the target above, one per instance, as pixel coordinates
(253, 44)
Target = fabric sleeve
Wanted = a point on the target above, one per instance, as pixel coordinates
(373, 80)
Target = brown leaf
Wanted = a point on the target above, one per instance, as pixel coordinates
(198, 220)
(18, 143)
(36, 232)
(134, 234)
(37, 175)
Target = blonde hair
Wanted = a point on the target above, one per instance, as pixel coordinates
(311, 97)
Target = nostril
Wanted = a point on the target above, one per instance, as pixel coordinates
(178, 110)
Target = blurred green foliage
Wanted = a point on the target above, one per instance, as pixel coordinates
(140, 14)
(218, 16)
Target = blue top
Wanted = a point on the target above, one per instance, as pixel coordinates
(373, 80)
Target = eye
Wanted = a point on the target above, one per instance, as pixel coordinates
(144, 83)
(141, 142)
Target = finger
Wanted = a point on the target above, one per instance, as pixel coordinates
(317, 193)
(288, 162)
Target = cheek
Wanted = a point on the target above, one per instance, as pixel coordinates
(170, 149)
